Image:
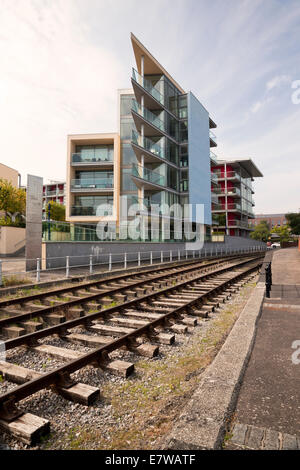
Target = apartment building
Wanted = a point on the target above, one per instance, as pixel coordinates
(232, 203)
(271, 219)
(93, 179)
(53, 191)
(161, 155)
(11, 175)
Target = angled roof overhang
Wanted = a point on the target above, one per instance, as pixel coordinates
(151, 65)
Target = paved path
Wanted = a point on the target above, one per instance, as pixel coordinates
(268, 409)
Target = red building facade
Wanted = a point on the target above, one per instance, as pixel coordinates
(232, 196)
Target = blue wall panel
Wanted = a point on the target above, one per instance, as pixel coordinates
(199, 157)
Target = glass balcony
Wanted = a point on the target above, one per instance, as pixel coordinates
(214, 177)
(218, 207)
(151, 176)
(148, 145)
(90, 210)
(214, 198)
(92, 157)
(147, 85)
(234, 207)
(92, 183)
(238, 223)
(214, 158)
(148, 116)
(233, 191)
(212, 136)
(233, 175)
(215, 219)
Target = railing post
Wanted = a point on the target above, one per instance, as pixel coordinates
(268, 282)
(139, 258)
(186, 254)
(91, 264)
(67, 266)
(0, 272)
(161, 256)
(151, 257)
(38, 270)
(178, 255)
(171, 255)
(125, 260)
(193, 253)
(109, 262)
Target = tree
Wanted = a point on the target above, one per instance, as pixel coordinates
(294, 222)
(261, 231)
(12, 202)
(57, 211)
(283, 232)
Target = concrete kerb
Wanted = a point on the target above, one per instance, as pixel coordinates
(204, 421)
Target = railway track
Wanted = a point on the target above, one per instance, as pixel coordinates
(167, 304)
(21, 315)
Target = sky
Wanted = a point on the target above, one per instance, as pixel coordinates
(62, 62)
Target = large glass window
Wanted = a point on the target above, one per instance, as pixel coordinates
(90, 205)
(183, 131)
(127, 126)
(93, 153)
(127, 183)
(128, 155)
(126, 104)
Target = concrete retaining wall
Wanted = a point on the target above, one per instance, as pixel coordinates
(54, 253)
(12, 240)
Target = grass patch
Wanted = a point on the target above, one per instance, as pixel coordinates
(15, 281)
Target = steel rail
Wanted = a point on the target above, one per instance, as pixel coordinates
(162, 270)
(62, 327)
(46, 310)
(99, 355)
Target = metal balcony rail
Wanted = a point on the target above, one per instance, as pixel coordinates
(147, 85)
(148, 175)
(148, 115)
(92, 183)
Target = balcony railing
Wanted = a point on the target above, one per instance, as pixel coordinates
(151, 176)
(228, 175)
(90, 210)
(214, 177)
(229, 191)
(147, 85)
(92, 157)
(92, 183)
(212, 136)
(233, 191)
(148, 145)
(230, 207)
(214, 158)
(148, 115)
(214, 198)
(238, 223)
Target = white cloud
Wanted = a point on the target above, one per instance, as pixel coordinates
(53, 82)
(275, 82)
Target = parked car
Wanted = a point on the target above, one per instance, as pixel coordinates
(275, 245)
